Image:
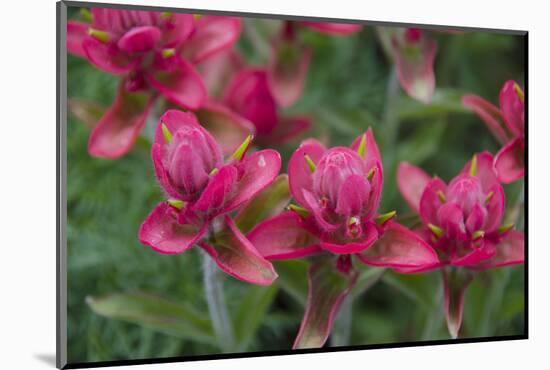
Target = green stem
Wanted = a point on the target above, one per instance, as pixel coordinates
(341, 332)
(213, 286)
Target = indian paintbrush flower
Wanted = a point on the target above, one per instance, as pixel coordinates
(337, 192)
(201, 190)
(507, 123)
(462, 221)
(154, 53)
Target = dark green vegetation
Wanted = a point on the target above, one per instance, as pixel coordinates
(345, 93)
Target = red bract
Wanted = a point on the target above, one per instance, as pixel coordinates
(462, 221)
(249, 94)
(290, 58)
(508, 125)
(338, 193)
(413, 53)
(202, 190)
(154, 53)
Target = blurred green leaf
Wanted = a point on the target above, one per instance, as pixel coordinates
(420, 288)
(367, 278)
(423, 144)
(156, 313)
(445, 100)
(271, 201)
(293, 278)
(251, 312)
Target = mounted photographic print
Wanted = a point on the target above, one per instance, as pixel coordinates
(236, 185)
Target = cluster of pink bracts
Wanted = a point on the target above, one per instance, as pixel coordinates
(336, 191)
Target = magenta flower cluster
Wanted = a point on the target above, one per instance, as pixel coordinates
(207, 162)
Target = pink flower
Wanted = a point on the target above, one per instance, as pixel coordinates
(154, 53)
(413, 53)
(462, 221)
(338, 193)
(508, 125)
(290, 58)
(249, 94)
(202, 190)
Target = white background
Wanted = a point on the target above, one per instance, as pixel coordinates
(27, 173)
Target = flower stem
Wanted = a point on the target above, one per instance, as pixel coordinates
(341, 332)
(213, 286)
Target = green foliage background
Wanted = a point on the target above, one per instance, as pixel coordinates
(345, 93)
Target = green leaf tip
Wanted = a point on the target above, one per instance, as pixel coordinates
(166, 133)
(520, 93)
(436, 230)
(382, 219)
(310, 163)
(86, 15)
(473, 166)
(299, 210)
(243, 148)
(362, 146)
(176, 203)
(167, 53)
(99, 35)
(505, 228)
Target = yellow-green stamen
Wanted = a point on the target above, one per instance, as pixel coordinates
(176, 203)
(166, 133)
(241, 150)
(441, 196)
(99, 35)
(299, 210)
(362, 146)
(505, 228)
(382, 219)
(519, 91)
(310, 163)
(167, 53)
(436, 230)
(473, 166)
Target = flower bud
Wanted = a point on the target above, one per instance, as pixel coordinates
(190, 157)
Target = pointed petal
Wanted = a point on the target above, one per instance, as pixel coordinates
(164, 234)
(415, 68)
(370, 235)
(353, 195)
(161, 173)
(283, 237)
(510, 251)
(400, 248)
(429, 201)
(512, 108)
(218, 191)
(76, 33)
(259, 171)
(235, 255)
(489, 114)
(335, 29)
(509, 161)
(411, 182)
(287, 72)
(455, 284)
(485, 171)
(107, 57)
(213, 34)
(269, 202)
(139, 39)
(495, 209)
(228, 128)
(181, 84)
(119, 127)
(327, 289)
(299, 174)
(451, 219)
